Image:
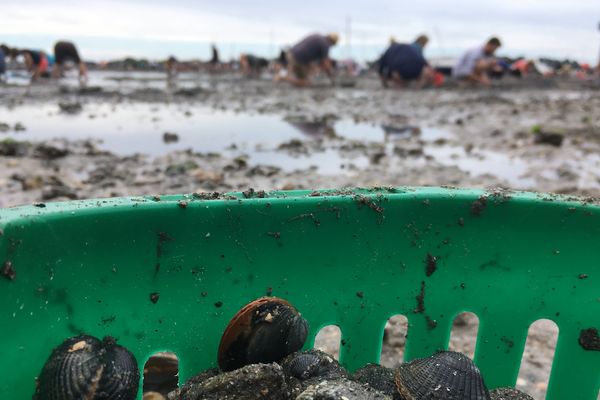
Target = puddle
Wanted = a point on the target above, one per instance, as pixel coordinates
(128, 128)
(117, 80)
(481, 162)
(139, 128)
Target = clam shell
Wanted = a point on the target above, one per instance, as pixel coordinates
(379, 378)
(444, 375)
(84, 367)
(263, 331)
(312, 363)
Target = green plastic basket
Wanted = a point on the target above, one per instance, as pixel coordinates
(350, 258)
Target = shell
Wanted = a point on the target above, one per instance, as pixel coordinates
(508, 393)
(85, 367)
(263, 331)
(444, 375)
(312, 363)
(379, 378)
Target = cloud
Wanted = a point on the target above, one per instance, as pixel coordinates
(552, 27)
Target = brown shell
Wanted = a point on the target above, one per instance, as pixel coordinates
(263, 331)
(444, 375)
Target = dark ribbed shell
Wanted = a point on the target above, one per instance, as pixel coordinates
(84, 367)
(508, 393)
(379, 378)
(312, 363)
(265, 330)
(445, 375)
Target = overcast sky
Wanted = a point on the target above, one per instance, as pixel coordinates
(157, 28)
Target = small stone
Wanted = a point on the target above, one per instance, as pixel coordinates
(251, 382)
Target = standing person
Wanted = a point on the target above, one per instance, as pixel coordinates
(35, 62)
(476, 64)
(402, 63)
(310, 51)
(4, 50)
(171, 67)
(214, 59)
(66, 51)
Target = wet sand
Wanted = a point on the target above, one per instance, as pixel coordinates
(228, 133)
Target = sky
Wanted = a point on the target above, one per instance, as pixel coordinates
(155, 29)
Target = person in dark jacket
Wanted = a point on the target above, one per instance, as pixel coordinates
(310, 52)
(64, 52)
(402, 63)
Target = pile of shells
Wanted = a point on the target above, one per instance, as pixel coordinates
(259, 357)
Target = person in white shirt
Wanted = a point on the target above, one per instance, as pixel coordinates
(475, 64)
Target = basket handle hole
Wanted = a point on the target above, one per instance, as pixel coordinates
(394, 341)
(537, 359)
(328, 340)
(161, 374)
(463, 336)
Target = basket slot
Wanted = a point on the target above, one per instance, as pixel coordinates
(542, 333)
(396, 338)
(467, 322)
(328, 339)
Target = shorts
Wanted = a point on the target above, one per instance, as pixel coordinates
(66, 51)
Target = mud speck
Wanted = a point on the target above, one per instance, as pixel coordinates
(478, 206)
(182, 204)
(8, 271)
(276, 235)
(461, 221)
(430, 264)
(219, 304)
(431, 323)
(39, 205)
(582, 276)
(589, 339)
(420, 300)
(360, 295)
(154, 297)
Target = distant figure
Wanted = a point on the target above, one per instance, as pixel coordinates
(252, 66)
(477, 63)
(214, 59)
(171, 67)
(64, 52)
(36, 63)
(402, 63)
(4, 50)
(311, 51)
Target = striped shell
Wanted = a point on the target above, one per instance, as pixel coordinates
(445, 375)
(312, 363)
(378, 378)
(84, 367)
